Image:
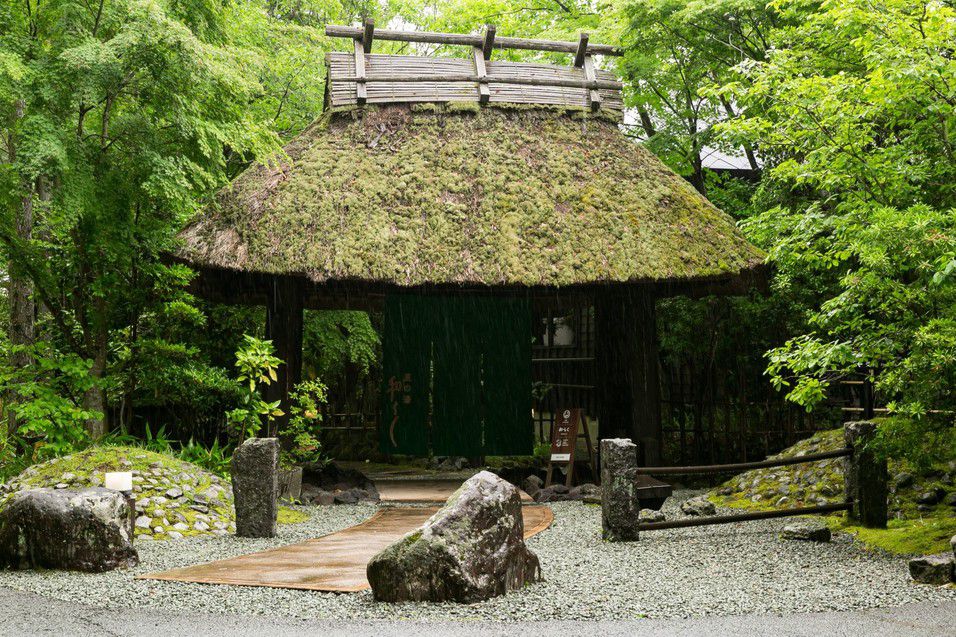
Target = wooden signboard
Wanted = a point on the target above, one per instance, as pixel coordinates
(564, 439)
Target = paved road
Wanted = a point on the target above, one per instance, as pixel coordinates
(23, 614)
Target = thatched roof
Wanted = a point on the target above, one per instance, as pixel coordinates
(430, 194)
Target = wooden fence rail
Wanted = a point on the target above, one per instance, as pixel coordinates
(745, 466)
(865, 488)
(744, 517)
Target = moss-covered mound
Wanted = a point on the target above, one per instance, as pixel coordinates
(915, 526)
(173, 498)
(467, 195)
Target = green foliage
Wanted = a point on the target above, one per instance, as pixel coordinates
(334, 340)
(542, 452)
(674, 50)
(257, 367)
(256, 362)
(920, 442)
(215, 458)
(300, 435)
(47, 399)
(854, 109)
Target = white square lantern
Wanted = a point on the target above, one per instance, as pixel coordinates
(119, 480)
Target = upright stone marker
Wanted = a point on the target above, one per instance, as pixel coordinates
(866, 476)
(255, 487)
(620, 508)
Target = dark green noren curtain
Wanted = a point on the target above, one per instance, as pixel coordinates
(406, 374)
(478, 350)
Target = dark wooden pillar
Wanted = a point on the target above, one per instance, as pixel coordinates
(629, 403)
(284, 329)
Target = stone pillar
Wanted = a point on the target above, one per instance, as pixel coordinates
(866, 476)
(619, 504)
(255, 487)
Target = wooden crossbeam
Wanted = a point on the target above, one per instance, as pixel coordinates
(472, 40)
(493, 79)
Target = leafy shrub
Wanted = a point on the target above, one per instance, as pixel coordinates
(48, 398)
(257, 366)
(215, 459)
(300, 437)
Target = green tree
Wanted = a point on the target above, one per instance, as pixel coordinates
(674, 50)
(854, 112)
(119, 115)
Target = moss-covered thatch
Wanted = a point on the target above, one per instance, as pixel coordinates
(498, 196)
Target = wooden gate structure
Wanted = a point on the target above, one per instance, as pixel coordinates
(472, 176)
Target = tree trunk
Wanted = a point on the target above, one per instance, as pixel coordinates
(95, 398)
(21, 331)
(697, 178)
(646, 122)
(748, 149)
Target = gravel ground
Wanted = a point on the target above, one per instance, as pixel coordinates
(679, 573)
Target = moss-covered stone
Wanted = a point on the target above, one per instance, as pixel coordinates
(910, 530)
(472, 549)
(449, 194)
(168, 491)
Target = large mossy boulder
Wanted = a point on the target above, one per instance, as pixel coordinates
(173, 498)
(470, 550)
(83, 530)
(932, 569)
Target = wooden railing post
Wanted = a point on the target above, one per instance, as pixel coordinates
(865, 475)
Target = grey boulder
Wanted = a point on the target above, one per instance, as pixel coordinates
(808, 530)
(932, 569)
(532, 484)
(586, 490)
(471, 550)
(650, 515)
(931, 497)
(83, 530)
(698, 506)
(326, 484)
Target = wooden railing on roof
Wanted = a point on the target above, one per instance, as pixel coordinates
(362, 77)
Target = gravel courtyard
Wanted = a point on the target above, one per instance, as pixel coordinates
(718, 570)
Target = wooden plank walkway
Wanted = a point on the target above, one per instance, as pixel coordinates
(335, 562)
(424, 490)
